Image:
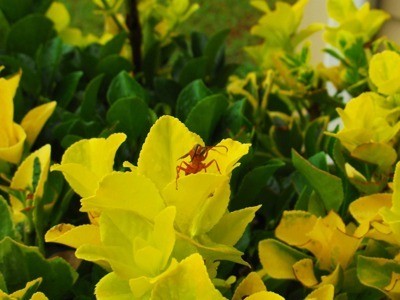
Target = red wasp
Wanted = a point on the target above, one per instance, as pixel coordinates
(198, 155)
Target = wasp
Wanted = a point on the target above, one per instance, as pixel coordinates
(198, 154)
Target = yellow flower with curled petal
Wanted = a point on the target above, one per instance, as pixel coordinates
(12, 135)
(367, 119)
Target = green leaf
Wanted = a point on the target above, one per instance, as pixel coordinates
(4, 29)
(66, 88)
(16, 9)
(377, 272)
(114, 46)
(90, 98)
(28, 34)
(198, 43)
(123, 86)
(195, 68)
(253, 183)
(131, 116)
(6, 221)
(189, 97)
(3, 286)
(166, 90)
(314, 134)
(48, 60)
(20, 264)
(328, 187)
(112, 65)
(215, 49)
(234, 118)
(151, 62)
(204, 117)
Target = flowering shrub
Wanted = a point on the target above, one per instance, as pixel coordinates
(139, 164)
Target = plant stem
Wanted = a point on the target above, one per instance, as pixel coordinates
(135, 33)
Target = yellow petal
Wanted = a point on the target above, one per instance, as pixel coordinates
(86, 162)
(35, 119)
(250, 285)
(73, 236)
(304, 272)
(39, 296)
(236, 221)
(228, 159)
(209, 197)
(125, 191)
(8, 88)
(295, 226)
(325, 292)
(366, 209)
(167, 141)
(277, 259)
(384, 71)
(59, 14)
(396, 189)
(265, 296)
(13, 151)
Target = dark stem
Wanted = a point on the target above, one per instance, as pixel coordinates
(135, 33)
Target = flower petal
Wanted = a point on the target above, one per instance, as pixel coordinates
(86, 162)
(35, 119)
(167, 141)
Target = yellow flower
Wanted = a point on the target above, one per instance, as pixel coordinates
(384, 71)
(200, 199)
(59, 14)
(367, 119)
(354, 23)
(12, 135)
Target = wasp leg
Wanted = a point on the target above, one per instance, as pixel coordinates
(210, 163)
(180, 168)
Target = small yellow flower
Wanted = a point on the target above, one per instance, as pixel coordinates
(12, 135)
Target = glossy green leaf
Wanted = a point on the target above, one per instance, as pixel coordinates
(66, 88)
(195, 68)
(253, 183)
(29, 33)
(90, 98)
(327, 186)
(20, 264)
(123, 86)
(189, 97)
(112, 65)
(131, 116)
(48, 60)
(15, 10)
(215, 49)
(4, 29)
(204, 117)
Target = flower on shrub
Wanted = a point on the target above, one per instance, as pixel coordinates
(12, 135)
(384, 71)
(279, 29)
(381, 214)
(197, 206)
(354, 23)
(369, 122)
(61, 18)
(328, 239)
